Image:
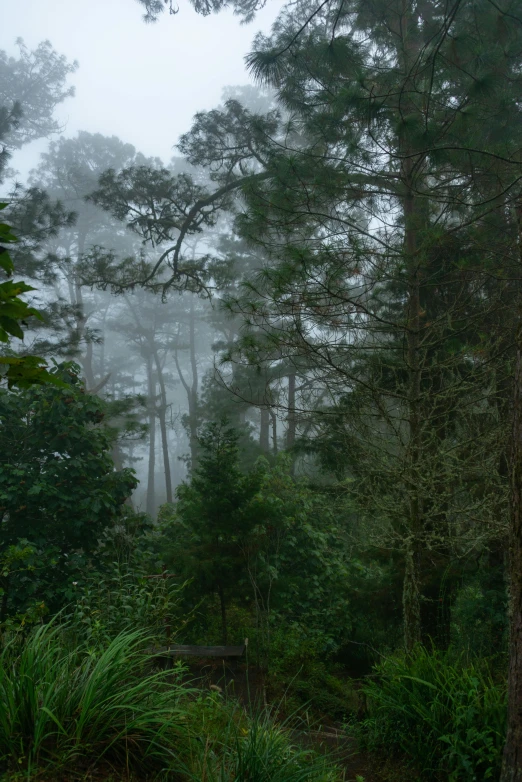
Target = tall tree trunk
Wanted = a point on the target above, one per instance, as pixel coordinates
(411, 599)
(162, 418)
(411, 590)
(512, 759)
(151, 492)
(410, 172)
(223, 607)
(81, 323)
(264, 430)
(193, 400)
(274, 432)
(291, 422)
(192, 388)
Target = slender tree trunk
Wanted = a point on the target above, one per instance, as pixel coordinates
(81, 325)
(224, 630)
(151, 492)
(274, 432)
(192, 388)
(411, 600)
(411, 590)
(116, 455)
(512, 760)
(87, 365)
(193, 400)
(162, 418)
(193, 429)
(410, 171)
(264, 430)
(291, 422)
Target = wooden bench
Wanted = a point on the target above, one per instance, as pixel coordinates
(180, 650)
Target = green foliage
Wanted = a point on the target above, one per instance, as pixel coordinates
(69, 708)
(258, 539)
(479, 620)
(244, 8)
(298, 555)
(114, 601)
(302, 675)
(205, 625)
(22, 371)
(214, 514)
(58, 486)
(34, 83)
(447, 715)
(236, 747)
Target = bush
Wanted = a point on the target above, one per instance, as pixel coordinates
(447, 715)
(301, 674)
(117, 600)
(70, 708)
(479, 618)
(236, 748)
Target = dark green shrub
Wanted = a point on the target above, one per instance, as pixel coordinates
(479, 618)
(235, 747)
(301, 674)
(448, 716)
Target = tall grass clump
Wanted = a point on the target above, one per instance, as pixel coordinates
(447, 715)
(64, 707)
(237, 747)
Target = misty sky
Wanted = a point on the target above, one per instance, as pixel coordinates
(140, 82)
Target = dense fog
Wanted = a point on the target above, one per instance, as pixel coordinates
(261, 390)
(154, 354)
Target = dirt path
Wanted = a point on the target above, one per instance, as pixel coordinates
(343, 749)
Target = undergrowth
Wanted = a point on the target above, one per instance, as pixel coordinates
(447, 715)
(70, 711)
(251, 748)
(78, 707)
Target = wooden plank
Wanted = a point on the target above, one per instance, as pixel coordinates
(175, 650)
(162, 575)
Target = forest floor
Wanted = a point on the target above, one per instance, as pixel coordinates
(343, 749)
(249, 688)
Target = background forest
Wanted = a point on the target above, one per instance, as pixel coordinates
(270, 389)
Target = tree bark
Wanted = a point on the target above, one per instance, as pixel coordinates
(291, 422)
(411, 166)
(81, 323)
(264, 430)
(512, 759)
(151, 494)
(192, 389)
(411, 603)
(224, 630)
(193, 399)
(411, 591)
(274, 432)
(162, 418)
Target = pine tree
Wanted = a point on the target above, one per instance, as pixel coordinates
(215, 509)
(394, 124)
